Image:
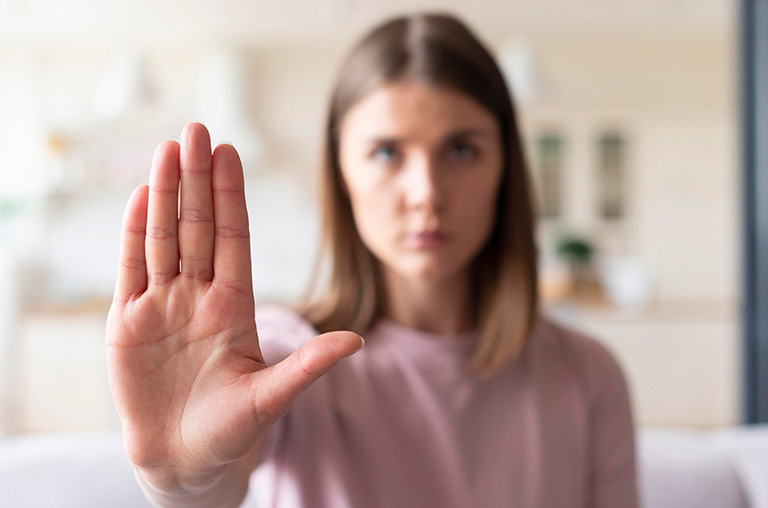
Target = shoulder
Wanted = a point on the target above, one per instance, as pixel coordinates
(605, 397)
(281, 331)
(595, 367)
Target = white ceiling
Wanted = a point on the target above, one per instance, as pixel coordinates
(264, 21)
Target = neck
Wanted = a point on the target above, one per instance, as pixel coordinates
(440, 306)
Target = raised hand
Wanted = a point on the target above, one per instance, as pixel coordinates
(191, 387)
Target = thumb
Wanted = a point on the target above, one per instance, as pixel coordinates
(277, 386)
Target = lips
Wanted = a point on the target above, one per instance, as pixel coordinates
(426, 239)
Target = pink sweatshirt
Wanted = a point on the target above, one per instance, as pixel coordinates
(397, 425)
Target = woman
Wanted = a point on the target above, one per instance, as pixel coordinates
(463, 396)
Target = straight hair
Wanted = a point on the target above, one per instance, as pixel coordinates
(346, 289)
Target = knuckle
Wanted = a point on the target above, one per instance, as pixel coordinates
(160, 233)
(196, 169)
(194, 215)
(160, 278)
(301, 362)
(133, 230)
(199, 276)
(232, 192)
(163, 192)
(132, 263)
(186, 258)
(231, 233)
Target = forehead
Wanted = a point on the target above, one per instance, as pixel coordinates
(413, 110)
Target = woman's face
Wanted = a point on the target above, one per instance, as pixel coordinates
(422, 166)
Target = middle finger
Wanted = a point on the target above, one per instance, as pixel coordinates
(196, 229)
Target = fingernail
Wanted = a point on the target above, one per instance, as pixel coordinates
(362, 345)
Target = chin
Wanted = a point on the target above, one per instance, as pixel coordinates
(432, 269)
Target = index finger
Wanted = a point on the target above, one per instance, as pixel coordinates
(232, 245)
(132, 270)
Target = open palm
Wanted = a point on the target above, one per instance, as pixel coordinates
(187, 376)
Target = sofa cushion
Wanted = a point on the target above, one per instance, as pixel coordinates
(70, 470)
(681, 469)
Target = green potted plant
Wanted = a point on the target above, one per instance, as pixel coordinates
(578, 253)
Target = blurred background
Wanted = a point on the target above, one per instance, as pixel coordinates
(629, 112)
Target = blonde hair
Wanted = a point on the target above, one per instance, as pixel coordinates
(346, 290)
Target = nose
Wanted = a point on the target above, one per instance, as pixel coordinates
(422, 184)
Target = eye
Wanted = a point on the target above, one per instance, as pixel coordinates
(384, 153)
(463, 151)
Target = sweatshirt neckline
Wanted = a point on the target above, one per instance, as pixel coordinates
(393, 329)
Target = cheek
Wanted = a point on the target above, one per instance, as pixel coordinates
(479, 211)
(478, 220)
(374, 213)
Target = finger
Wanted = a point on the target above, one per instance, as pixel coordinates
(273, 389)
(132, 270)
(196, 211)
(232, 245)
(162, 245)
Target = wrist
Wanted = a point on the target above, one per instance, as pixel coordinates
(170, 480)
(169, 491)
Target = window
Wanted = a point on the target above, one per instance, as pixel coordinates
(550, 162)
(611, 176)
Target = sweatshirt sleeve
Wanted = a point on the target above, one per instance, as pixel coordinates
(613, 477)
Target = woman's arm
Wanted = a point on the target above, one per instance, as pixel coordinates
(193, 392)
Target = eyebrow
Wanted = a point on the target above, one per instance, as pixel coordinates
(482, 133)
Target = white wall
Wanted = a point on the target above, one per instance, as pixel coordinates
(672, 88)
(675, 98)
